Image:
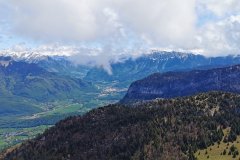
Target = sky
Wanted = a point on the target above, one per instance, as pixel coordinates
(114, 27)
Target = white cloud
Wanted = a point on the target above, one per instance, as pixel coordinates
(120, 25)
(53, 20)
(221, 7)
(221, 38)
(160, 21)
(163, 22)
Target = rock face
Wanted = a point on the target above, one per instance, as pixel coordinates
(177, 84)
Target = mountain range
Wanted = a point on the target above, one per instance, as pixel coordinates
(132, 69)
(41, 90)
(28, 79)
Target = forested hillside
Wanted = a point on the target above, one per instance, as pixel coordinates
(160, 129)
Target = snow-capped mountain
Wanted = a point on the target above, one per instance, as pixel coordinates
(52, 62)
(158, 61)
(25, 55)
(124, 68)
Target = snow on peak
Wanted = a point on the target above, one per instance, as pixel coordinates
(32, 55)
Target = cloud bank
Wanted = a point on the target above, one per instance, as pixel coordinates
(211, 26)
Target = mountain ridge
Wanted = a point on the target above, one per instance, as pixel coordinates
(27, 82)
(177, 84)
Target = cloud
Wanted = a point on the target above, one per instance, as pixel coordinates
(221, 8)
(93, 57)
(83, 55)
(222, 37)
(158, 21)
(121, 26)
(53, 20)
(220, 34)
(163, 22)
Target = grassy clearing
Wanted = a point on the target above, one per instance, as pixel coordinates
(216, 152)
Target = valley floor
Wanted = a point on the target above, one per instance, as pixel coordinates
(16, 129)
(12, 136)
